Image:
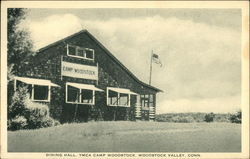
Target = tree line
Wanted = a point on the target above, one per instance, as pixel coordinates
(200, 117)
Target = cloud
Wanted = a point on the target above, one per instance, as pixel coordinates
(201, 62)
(52, 28)
(198, 58)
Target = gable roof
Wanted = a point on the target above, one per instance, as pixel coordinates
(107, 52)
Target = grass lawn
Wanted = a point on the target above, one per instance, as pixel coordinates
(125, 136)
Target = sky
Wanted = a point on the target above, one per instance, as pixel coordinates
(200, 49)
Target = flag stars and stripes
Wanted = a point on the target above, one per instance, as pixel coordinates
(155, 59)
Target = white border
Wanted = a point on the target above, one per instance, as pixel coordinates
(243, 5)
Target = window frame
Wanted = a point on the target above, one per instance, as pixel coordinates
(32, 91)
(39, 100)
(118, 102)
(149, 102)
(80, 97)
(68, 50)
(118, 96)
(66, 97)
(128, 99)
(81, 57)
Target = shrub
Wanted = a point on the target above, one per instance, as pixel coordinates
(222, 117)
(19, 122)
(209, 117)
(236, 118)
(37, 116)
(18, 102)
(56, 122)
(25, 114)
(182, 119)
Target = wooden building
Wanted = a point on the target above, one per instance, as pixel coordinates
(81, 80)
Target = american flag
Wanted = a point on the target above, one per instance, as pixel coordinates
(156, 59)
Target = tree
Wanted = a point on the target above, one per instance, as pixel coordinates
(236, 118)
(209, 117)
(18, 102)
(19, 47)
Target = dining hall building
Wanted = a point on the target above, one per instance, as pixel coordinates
(80, 80)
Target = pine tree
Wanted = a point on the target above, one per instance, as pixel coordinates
(19, 46)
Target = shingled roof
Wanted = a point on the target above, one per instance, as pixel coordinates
(107, 52)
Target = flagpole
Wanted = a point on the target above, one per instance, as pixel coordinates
(150, 68)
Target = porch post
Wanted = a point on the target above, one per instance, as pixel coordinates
(138, 108)
(152, 108)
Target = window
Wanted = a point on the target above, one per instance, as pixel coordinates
(112, 97)
(147, 100)
(73, 94)
(151, 100)
(89, 53)
(118, 98)
(80, 52)
(71, 50)
(124, 99)
(38, 89)
(144, 100)
(41, 92)
(79, 96)
(36, 92)
(87, 96)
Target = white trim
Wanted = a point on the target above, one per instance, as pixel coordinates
(61, 65)
(97, 73)
(67, 49)
(36, 81)
(80, 97)
(107, 94)
(32, 92)
(118, 102)
(66, 93)
(49, 95)
(118, 99)
(76, 56)
(145, 108)
(129, 99)
(14, 84)
(40, 100)
(93, 97)
(122, 90)
(84, 86)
